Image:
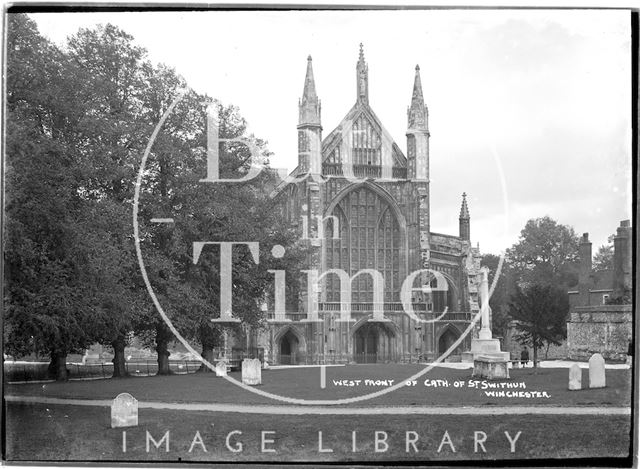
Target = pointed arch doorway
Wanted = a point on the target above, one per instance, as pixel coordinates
(446, 340)
(374, 342)
(366, 344)
(289, 346)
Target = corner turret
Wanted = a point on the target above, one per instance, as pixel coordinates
(309, 125)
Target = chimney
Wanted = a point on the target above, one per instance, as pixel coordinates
(585, 256)
(622, 259)
(584, 274)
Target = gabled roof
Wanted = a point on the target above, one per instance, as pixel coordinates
(334, 138)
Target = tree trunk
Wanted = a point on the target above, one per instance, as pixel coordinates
(534, 341)
(119, 366)
(546, 352)
(207, 354)
(163, 336)
(58, 366)
(209, 338)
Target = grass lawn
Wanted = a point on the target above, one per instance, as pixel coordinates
(62, 432)
(305, 383)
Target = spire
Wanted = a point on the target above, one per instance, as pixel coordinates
(309, 105)
(464, 220)
(309, 92)
(464, 210)
(362, 76)
(417, 113)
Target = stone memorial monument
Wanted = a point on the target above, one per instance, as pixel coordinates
(251, 371)
(124, 411)
(575, 377)
(485, 345)
(596, 371)
(492, 363)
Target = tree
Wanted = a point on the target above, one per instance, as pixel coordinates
(603, 259)
(119, 294)
(546, 253)
(624, 297)
(540, 314)
(229, 212)
(111, 136)
(48, 301)
(78, 122)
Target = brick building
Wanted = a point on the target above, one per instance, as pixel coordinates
(595, 287)
(375, 218)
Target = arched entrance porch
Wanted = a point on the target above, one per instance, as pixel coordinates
(448, 336)
(290, 346)
(373, 342)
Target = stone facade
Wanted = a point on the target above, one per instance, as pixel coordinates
(604, 329)
(510, 344)
(359, 203)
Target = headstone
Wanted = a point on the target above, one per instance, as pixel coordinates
(575, 377)
(251, 372)
(124, 411)
(596, 371)
(221, 368)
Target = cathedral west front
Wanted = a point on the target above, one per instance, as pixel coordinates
(362, 207)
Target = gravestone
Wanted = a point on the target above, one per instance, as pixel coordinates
(596, 371)
(251, 371)
(124, 411)
(575, 377)
(221, 368)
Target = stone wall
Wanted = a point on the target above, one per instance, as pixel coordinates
(604, 329)
(511, 345)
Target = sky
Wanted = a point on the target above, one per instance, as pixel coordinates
(529, 110)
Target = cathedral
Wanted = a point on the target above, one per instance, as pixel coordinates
(361, 204)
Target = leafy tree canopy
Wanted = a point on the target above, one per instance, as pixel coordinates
(546, 253)
(603, 259)
(78, 121)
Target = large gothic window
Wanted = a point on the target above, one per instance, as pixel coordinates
(441, 299)
(369, 238)
(366, 145)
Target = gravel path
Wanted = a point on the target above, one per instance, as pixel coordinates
(335, 410)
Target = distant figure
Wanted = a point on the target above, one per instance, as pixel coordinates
(524, 357)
